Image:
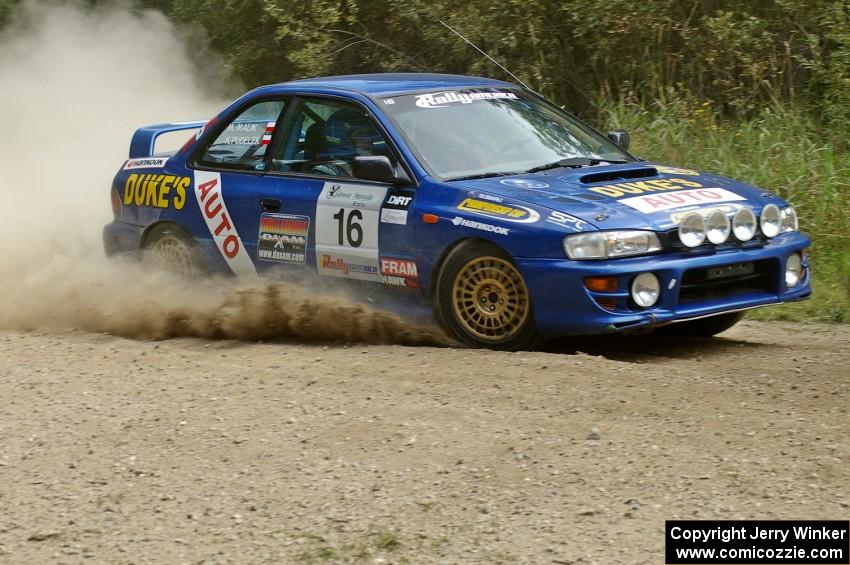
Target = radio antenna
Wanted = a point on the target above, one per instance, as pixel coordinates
(483, 53)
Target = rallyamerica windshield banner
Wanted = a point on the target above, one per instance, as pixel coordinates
(749, 542)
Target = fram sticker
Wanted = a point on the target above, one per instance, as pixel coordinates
(220, 223)
(658, 202)
(146, 163)
(399, 272)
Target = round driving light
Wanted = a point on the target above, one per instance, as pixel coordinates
(692, 230)
(793, 270)
(789, 219)
(645, 290)
(771, 220)
(744, 224)
(717, 227)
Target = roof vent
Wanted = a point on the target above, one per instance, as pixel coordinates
(619, 175)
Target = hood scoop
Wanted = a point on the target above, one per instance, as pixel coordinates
(619, 175)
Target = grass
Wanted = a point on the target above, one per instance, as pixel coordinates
(780, 151)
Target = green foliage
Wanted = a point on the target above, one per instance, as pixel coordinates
(781, 150)
(743, 55)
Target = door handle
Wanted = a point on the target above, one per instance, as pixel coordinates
(271, 204)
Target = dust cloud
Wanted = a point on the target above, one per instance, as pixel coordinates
(75, 82)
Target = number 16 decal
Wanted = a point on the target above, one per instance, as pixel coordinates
(353, 230)
(347, 220)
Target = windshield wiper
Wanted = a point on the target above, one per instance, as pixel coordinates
(574, 162)
(484, 176)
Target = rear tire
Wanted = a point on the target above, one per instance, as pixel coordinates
(481, 299)
(704, 327)
(171, 249)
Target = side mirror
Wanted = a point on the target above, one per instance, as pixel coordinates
(620, 137)
(379, 168)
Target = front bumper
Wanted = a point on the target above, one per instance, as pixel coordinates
(563, 306)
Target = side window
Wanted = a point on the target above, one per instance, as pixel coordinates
(325, 137)
(242, 144)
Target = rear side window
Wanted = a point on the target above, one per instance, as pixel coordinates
(243, 142)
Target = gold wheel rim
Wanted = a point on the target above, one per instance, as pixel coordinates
(490, 299)
(171, 254)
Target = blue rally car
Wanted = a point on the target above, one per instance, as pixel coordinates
(512, 219)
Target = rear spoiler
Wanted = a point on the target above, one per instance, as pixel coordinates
(142, 144)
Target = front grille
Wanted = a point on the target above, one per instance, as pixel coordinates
(727, 281)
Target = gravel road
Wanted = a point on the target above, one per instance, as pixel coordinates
(193, 451)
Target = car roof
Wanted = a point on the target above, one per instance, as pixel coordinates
(381, 84)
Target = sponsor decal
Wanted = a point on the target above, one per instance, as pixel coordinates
(488, 197)
(640, 187)
(283, 238)
(458, 221)
(333, 263)
(157, 191)
(347, 222)
(146, 163)
(219, 222)
(511, 213)
(659, 202)
(399, 272)
(524, 183)
(566, 221)
(399, 201)
(390, 216)
(676, 171)
(351, 195)
(443, 99)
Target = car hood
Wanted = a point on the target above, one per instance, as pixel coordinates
(631, 195)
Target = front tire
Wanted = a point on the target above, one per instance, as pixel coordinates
(704, 327)
(482, 300)
(171, 249)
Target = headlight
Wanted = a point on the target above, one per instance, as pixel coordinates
(692, 230)
(744, 224)
(789, 219)
(771, 220)
(610, 244)
(717, 227)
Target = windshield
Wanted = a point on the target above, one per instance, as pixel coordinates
(481, 132)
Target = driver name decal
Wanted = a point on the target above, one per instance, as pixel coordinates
(219, 222)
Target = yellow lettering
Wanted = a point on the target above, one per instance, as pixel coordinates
(150, 193)
(139, 197)
(164, 189)
(608, 190)
(130, 188)
(663, 184)
(629, 188)
(181, 186)
(685, 182)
